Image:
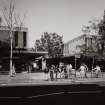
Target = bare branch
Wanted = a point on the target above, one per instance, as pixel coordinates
(4, 12)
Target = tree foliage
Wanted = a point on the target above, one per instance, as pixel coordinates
(10, 17)
(97, 27)
(11, 21)
(50, 42)
(92, 28)
(102, 27)
(102, 34)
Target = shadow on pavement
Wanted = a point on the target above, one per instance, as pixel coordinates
(74, 94)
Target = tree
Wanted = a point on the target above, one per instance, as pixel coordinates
(97, 27)
(102, 34)
(50, 42)
(11, 20)
(92, 28)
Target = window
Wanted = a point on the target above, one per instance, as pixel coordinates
(24, 39)
(16, 38)
(88, 42)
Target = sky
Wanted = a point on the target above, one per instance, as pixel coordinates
(65, 17)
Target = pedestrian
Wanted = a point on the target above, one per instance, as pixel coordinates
(65, 72)
(46, 71)
(12, 71)
(56, 72)
(86, 70)
(69, 69)
(61, 70)
(52, 73)
(82, 71)
(97, 70)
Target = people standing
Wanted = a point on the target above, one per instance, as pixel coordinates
(46, 71)
(97, 70)
(52, 73)
(82, 71)
(65, 72)
(86, 70)
(13, 72)
(56, 72)
(61, 71)
(69, 69)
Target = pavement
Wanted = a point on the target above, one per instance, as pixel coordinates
(41, 79)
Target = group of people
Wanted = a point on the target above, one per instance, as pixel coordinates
(57, 71)
(66, 71)
(95, 72)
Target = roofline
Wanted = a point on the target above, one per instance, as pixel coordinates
(84, 35)
(75, 38)
(15, 28)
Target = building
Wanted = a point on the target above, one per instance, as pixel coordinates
(19, 36)
(78, 44)
(81, 49)
(22, 55)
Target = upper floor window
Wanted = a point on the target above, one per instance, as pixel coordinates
(24, 39)
(88, 42)
(16, 38)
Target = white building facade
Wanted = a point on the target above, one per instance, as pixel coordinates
(76, 45)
